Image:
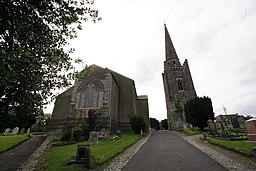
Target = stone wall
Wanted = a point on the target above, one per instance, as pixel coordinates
(112, 93)
(142, 109)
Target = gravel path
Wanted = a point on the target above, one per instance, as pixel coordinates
(14, 158)
(231, 160)
(34, 161)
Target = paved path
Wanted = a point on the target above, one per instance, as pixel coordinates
(14, 158)
(165, 151)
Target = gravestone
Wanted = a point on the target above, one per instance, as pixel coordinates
(235, 122)
(84, 154)
(15, 131)
(7, 131)
(22, 131)
(211, 126)
(118, 133)
(94, 138)
(104, 134)
(71, 135)
(107, 134)
(185, 126)
(230, 125)
(28, 131)
(251, 128)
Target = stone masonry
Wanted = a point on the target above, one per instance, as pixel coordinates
(178, 85)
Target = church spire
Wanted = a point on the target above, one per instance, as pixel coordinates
(170, 52)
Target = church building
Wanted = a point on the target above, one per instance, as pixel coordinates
(178, 85)
(103, 89)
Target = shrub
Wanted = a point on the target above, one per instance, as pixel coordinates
(66, 137)
(138, 123)
(164, 124)
(77, 134)
(198, 111)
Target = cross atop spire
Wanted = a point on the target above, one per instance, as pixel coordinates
(170, 52)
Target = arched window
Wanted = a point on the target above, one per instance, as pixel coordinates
(90, 92)
(89, 96)
(180, 85)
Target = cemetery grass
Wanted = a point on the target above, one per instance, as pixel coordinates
(190, 131)
(58, 157)
(241, 147)
(8, 142)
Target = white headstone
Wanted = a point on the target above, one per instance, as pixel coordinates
(7, 131)
(15, 131)
(28, 131)
(185, 126)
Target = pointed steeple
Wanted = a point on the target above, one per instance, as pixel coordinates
(170, 52)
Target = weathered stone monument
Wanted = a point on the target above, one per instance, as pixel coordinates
(212, 127)
(84, 155)
(28, 132)
(102, 89)
(235, 122)
(104, 134)
(22, 131)
(94, 138)
(251, 128)
(7, 131)
(15, 131)
(118, 133)
(178, 85)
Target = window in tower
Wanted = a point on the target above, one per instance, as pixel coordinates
(180, 85)
(173, 62)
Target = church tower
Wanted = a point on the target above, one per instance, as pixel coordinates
(178, 85)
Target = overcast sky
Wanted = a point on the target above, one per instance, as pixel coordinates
(218, 37)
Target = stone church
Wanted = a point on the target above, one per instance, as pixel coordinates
(178, 85)
(112, 93)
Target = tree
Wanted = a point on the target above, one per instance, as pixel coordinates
(138, 123)
(33, 35)
(164, 124)
(154, 123)
(198, 111)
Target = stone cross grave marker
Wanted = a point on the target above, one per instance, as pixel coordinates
(7, 131)
(94, 138)
(15, 131)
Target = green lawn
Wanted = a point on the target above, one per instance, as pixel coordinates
(57, 157)
(7, 142)
(238, 146)
(190, 131)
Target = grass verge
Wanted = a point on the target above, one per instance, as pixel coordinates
(57, 157)
(237, 146)
(190, 131)
(8, 142)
